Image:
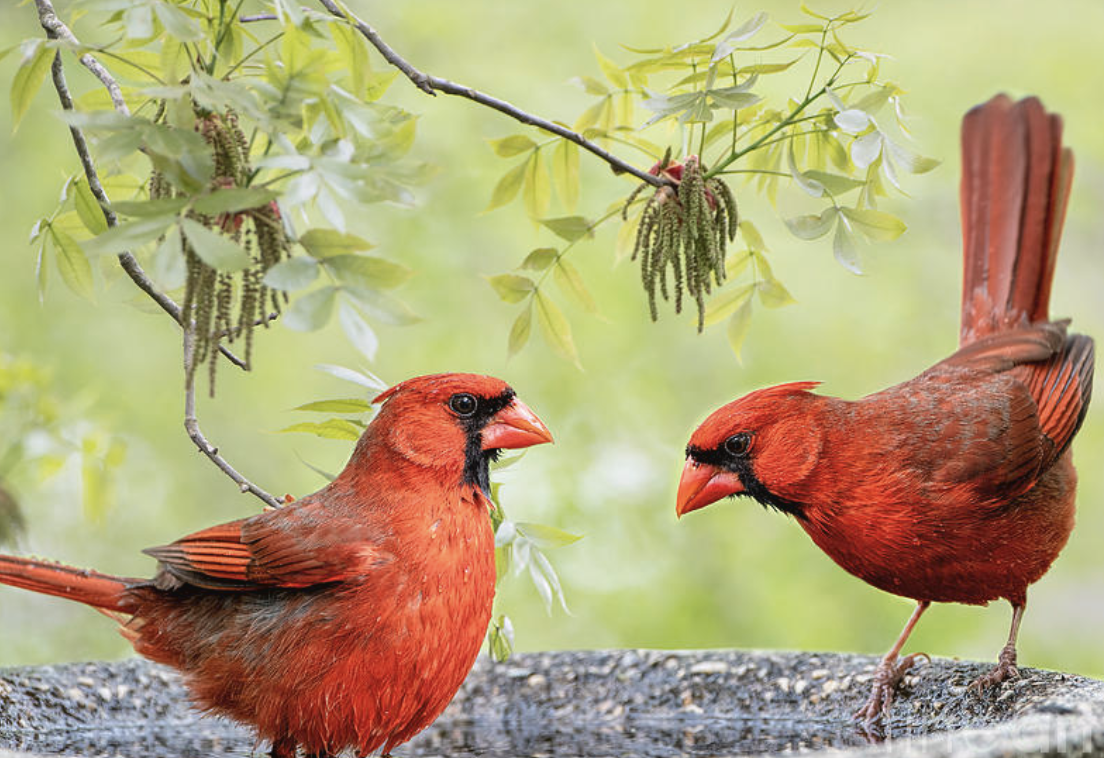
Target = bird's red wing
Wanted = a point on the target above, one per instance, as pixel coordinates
(1061, 388)
(296, 546)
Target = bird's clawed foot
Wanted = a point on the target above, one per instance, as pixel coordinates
(1005, 669)
(886, 678)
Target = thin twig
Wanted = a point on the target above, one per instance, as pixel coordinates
(191, 425)
(431, 85)
(56, 29)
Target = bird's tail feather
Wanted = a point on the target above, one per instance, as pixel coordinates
(101, 591)
(1015, 183)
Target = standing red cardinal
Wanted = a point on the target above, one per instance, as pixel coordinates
(349, 617)
(958, 485)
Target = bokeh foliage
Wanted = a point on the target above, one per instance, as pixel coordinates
(732, 576)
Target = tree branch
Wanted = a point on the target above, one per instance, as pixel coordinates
(431, 85)
(191, 425)
(56, 29)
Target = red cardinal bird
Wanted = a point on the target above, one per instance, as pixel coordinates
(958, 485)
(349, 617)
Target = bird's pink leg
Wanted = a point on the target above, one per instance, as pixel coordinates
(1006, 661)
(889, 672)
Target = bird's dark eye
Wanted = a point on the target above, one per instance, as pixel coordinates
(737, 445)
(463, 404)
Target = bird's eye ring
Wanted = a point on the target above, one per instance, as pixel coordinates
(738, 444)
(463, 404)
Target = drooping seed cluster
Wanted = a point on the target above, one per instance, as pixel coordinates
(225, 305)
(683, 236)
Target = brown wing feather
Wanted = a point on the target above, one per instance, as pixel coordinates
(297, 546)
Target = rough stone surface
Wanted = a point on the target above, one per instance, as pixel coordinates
(647, 703)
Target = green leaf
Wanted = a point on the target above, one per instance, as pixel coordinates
(325, 243)
(751, 236)
(311, 311)
(508, 186)
(512, 288)
(565, 173)
(590, 85)
(177, 23)
(913, 162)
(540, 259)
(555, 328)
(734, 38)
(738, 326)
(810, 186)
(547, 537)
(773, 294)
(519, 332)
(363, 378)
(811, 227)
(616, 76)
(88, 208)
(233, 199)
(571, 283)
(835, 184)
(537, 191)
(358, 331)
(37, 59)
(214, 249)
(768, 68)
(726, 303)
(292, 274)
(381, 305)
(844, 248)
(331, 429)
(877, 226)
(72, 264)
(149, 208)
(570, 228)
(340, 405)
(368, 271)
(128, 236)
(507, 147)
(167, 265)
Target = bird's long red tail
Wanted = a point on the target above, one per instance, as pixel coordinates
(1015, 183)
(85, 586)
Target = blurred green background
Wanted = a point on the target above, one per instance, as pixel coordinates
(731, 576)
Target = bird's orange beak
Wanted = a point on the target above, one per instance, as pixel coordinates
(515, 426)
(702, 484)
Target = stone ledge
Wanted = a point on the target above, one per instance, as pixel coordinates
(646, 703)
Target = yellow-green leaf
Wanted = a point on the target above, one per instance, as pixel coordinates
(738, 326)
(72, 263)
(508, 186)
(88, 208)
(537, 191)
(331, 429)
(507, 147)
(612, 72)
(540, 259)
(325, 243)
(339, 405)
(773, 294)
(879, 226)
(37, 57)
(511, 288)
(571, 282)
(565, 173)
(519, 332)
(725, 303)
(555, 328)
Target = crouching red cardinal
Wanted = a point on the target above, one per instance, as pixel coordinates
(958, 485)
(348, 618)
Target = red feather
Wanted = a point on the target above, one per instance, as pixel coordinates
(348, 618)
(957, 485)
